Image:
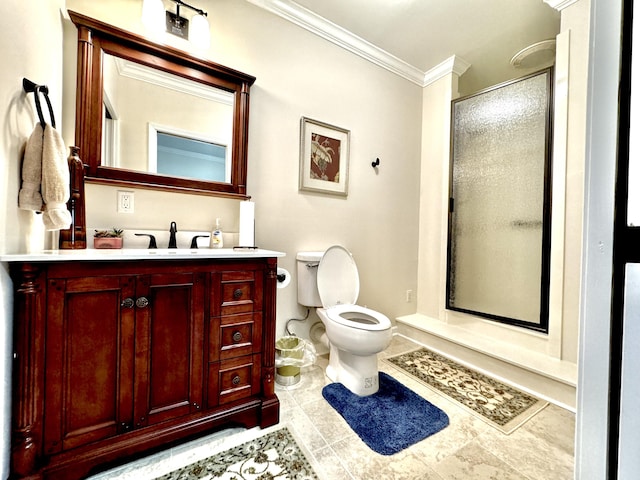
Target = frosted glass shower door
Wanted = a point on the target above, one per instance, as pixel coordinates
(499, 223)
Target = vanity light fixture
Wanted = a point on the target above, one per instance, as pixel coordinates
(195, 30)
(179, 26)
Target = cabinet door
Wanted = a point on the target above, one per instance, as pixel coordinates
(170, 314)
(89, 361)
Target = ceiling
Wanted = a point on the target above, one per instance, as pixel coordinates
(425, 33)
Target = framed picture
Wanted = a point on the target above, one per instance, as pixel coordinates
(324, 157)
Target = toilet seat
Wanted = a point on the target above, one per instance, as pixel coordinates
(338, 286)
(361, 318)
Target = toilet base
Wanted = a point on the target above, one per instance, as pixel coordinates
(359, 374)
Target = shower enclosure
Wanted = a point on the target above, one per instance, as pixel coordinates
(499, 208)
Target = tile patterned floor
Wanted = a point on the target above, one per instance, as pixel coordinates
(468, 448)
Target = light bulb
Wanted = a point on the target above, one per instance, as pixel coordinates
(153, 16)
(199, 33)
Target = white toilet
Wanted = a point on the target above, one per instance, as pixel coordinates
(356, 334)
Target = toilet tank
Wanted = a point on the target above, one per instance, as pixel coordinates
(307, 269)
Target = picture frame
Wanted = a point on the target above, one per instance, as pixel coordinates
(324, 157)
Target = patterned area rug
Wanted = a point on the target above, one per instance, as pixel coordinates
(500, 405)
(275, 455)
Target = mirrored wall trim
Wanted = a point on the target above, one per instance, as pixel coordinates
(96, 38)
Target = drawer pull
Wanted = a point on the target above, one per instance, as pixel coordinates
(236, 380)
(142, 302)
(237, 293)
(237, 336)
(127, 303)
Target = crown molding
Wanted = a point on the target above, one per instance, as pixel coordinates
(560, 4)
(453, 64)
(337, 35)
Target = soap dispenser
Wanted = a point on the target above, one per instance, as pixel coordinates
(216, 236)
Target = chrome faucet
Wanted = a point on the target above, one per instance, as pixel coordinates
(172, 235)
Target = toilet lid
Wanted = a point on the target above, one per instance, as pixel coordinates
(338, 280)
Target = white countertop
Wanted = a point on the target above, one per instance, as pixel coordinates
(94, 254)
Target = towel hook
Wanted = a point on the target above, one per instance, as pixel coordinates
(32, 87)
(376, 163)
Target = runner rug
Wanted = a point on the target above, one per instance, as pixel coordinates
(391, 419)
(498, 404)
(275, 455)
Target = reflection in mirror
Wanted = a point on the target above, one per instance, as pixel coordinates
(152, 116)
(186, 156)
(140, 101)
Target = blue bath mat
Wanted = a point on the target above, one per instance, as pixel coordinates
(390, 420)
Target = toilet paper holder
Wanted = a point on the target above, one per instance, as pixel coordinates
(283, 277)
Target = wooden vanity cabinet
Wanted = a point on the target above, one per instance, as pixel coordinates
(115, 359)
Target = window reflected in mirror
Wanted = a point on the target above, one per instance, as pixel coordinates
(187, 157)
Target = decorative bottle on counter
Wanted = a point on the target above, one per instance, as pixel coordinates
(75, 237)
(216, 236)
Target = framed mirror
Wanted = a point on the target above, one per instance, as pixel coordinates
(151, 116)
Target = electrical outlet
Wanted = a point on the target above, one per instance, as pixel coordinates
(125, 201)
(409, 296)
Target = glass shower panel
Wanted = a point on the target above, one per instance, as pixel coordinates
(499, 184)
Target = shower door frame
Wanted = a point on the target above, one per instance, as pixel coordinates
(545, 274)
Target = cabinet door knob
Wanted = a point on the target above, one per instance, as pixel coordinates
(236, 380)
(237, 336)
(237, 293)
(142, 302)
(127, 303)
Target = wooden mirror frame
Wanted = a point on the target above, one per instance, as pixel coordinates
(96, 38)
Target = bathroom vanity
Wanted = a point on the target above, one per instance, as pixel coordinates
(121, 353)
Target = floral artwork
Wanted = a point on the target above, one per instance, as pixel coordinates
(324, 157)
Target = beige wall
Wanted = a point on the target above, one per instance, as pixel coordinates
(434, 192)
(299, 74)
(30, 46)
(576, 20)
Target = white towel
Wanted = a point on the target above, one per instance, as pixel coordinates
(29, 197)
(55, 180)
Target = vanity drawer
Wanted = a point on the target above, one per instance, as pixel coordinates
(234, 336)
(234, 379)
(237, 292)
